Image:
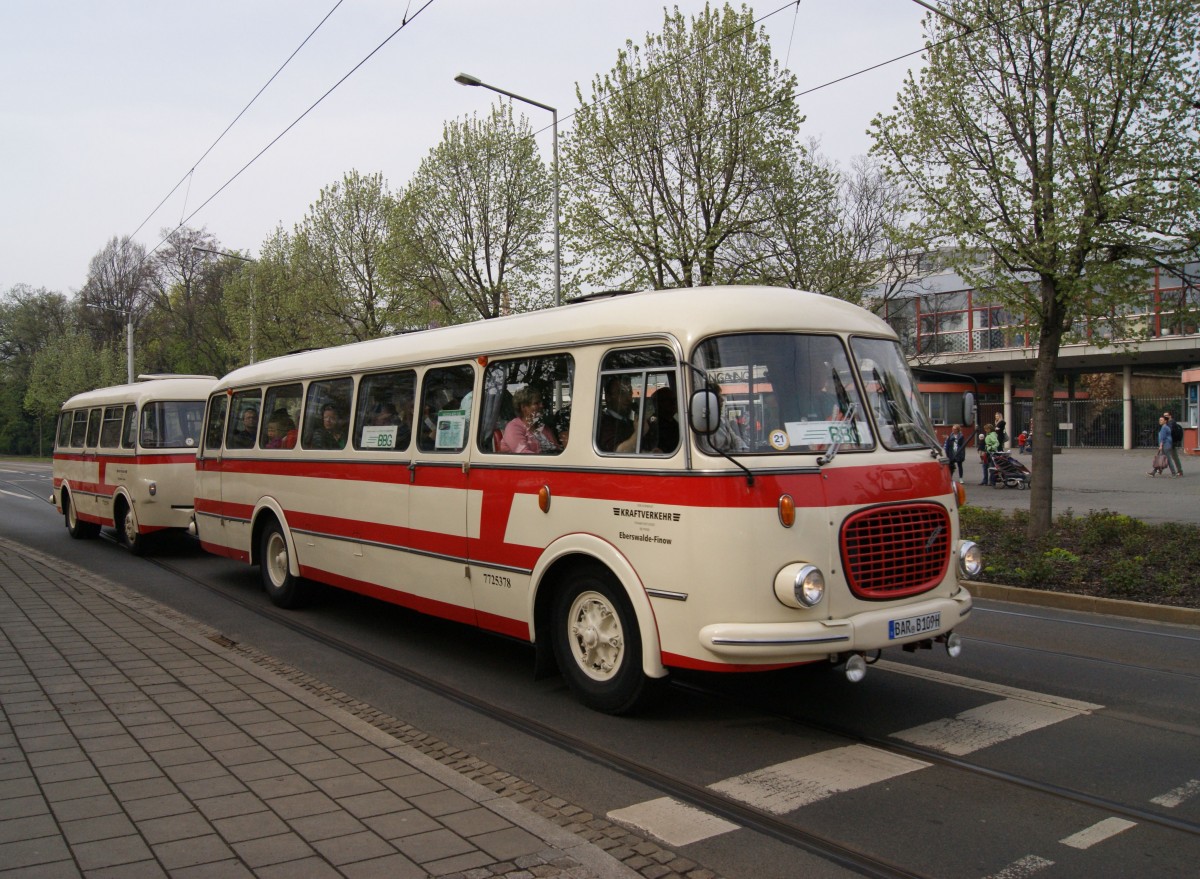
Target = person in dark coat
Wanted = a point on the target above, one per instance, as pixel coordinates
(955, 448)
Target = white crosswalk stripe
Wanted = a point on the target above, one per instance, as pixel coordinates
(984, 726)
(791, 785)
(785, 787)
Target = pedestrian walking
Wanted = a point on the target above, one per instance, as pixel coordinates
(955, 448)
(1163, 458)
(1176, 442)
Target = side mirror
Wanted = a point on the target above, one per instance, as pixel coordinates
(968, 408)
(704, 412)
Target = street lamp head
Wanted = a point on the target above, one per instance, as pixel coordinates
(467, 79)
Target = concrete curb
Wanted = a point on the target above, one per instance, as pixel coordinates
(1159, 613)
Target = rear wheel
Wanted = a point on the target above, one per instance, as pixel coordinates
(597, 643)
(282, 587)
(76, 527)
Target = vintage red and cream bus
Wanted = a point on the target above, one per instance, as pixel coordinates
(725, 479)
(125, 457)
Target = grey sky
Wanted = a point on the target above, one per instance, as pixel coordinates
(106, 104)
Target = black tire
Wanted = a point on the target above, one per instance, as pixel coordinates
(274, 562)
(127, 529)
(597, 643)
(76, 527)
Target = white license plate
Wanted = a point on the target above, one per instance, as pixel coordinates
(910, 626)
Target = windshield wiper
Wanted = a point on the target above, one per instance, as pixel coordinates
(834, 448)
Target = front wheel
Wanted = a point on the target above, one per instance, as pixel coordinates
(282, 587)
(597, 644)
(130, 536)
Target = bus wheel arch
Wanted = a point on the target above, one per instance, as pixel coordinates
(76, 527)
(126, 522)
(275, 553)
(587, 625)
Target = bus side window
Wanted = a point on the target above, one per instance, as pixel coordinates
(282, 406)
(65, 420)
(243, 421)
(384, 417)
(93, 428)
(217, 406)
(79, 428)
(129, 430)
(443, 426)
(634, 384)
(110, 429)
(327, 414)
(506, 426)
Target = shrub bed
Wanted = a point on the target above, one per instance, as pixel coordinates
(1102, 554)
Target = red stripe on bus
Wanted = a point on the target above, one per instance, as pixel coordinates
(394, 596)
(843, 486)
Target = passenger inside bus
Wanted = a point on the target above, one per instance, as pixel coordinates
(616, 431)
(247, 430)
(281, 430)
(527, 432)
(662, 428)
(331, 434)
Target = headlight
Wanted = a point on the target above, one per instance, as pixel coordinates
(800, 586)
(970, 559)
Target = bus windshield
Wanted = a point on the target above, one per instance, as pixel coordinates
(899, 415)
(171, 424)
(783, 392)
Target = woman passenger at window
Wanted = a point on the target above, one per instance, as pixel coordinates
(526, 434)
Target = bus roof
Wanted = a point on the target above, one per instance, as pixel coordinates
(176, 388)
(687, 314)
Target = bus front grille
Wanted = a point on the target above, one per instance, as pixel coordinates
(895, 551)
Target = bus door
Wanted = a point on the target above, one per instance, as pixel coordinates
(208, 465)
(438, 491)
(94, 495)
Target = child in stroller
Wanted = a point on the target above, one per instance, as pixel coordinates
(1008, 472)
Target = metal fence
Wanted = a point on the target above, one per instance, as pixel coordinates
(1098, 423)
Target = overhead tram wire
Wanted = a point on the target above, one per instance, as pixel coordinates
(221, 136)
(407, 20)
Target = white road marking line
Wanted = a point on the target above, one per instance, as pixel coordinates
(1027, 866)
(1098, 832)
(1181, 794)
(942, 677)
(785, 787)
(984, 726)
(16, 494)
(671, 821)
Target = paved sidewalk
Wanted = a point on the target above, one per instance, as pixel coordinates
(132, 745)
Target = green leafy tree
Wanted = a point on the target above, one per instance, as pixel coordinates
(187, 326)
(1056, 146)
(29, 320)
(684, 165)
(469, 233)
(340, 248)
(272, 305)
(118, 290)
(67, 365)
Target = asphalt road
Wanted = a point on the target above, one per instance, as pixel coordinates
(1059, 741)
(1101, 479)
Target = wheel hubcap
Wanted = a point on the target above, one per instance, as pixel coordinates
(597, 635)
(277, 560)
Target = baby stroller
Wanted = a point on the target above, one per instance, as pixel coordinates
(1008, 472)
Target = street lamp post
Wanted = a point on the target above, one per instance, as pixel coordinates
(253, 334)
(128, 334)
(467, 79)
